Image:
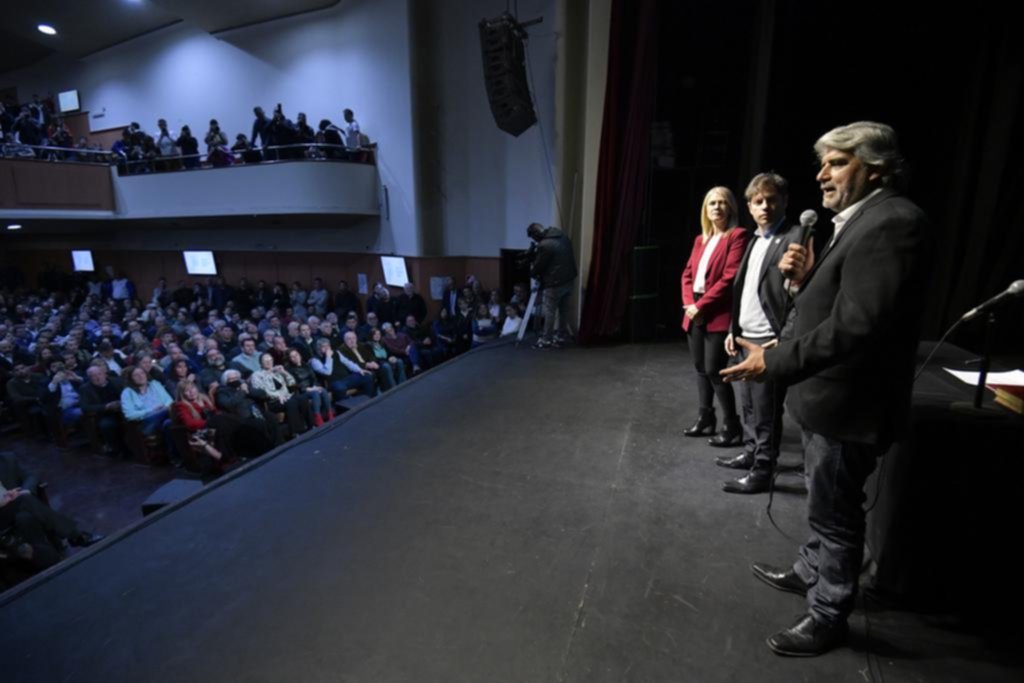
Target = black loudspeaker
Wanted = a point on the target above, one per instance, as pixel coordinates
(501, 42)
(643, 295)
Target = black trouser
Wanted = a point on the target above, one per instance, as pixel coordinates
(761, 407)
(39, 526)
(707, 349)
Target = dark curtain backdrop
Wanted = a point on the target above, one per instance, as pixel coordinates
(980, 217)
(623, 165)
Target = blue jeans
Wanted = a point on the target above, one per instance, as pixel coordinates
(830, 561)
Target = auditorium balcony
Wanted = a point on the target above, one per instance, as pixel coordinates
(49, 189)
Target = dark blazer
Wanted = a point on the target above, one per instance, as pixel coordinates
(771, 290)
(716, 304)
(856, 325)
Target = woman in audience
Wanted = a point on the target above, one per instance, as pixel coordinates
(484, 327)
(512, 321)
(707, 311)
(306, 382)
(178, 373)
(232, 436)
(147, 404)
(495, 306)
(277, 383)
(383, 355)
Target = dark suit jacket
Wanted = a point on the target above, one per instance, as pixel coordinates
(13, 476)
(856, 326)
(771, 291)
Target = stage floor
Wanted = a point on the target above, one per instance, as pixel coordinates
(515, 515)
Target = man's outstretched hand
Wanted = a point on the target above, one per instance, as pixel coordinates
(752, 367)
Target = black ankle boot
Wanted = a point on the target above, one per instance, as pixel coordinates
(705, 424)
(731, 434)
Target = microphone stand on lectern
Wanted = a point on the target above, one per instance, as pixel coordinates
(976, 409)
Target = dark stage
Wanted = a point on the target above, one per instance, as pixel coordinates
(515, 515)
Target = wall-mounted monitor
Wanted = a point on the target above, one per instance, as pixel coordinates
(395, 274)
(67, 101)
(82, 261)
(200, 263)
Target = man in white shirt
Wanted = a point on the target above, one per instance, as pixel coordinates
(760, 304)
(351, 130)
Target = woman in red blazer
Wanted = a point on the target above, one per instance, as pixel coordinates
(707, 311)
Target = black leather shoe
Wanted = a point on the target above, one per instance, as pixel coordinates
(808, 638)
(731, 435)
(84, 539)
(705, 424)
(756, 481)
(782, 579)
(743, 461)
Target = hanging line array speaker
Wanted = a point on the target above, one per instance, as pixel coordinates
(501, 42)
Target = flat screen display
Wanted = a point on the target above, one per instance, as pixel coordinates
(395, 274)
(82, 261)
(200, 263)
(68, 101)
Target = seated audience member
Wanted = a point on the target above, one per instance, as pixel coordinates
(401, 346)
(267, 341)
(277, 384)
(210, 375)
(339, 373)
(279, 350)
(231, 436)
(235, 397)
(306, 381)
(111, 357)
(364, 330)
(512, 321)
(306, 343)
(385, 357)
(147, 404)
(327, 330)
(180, 371)
(363, 357)
(382, 304)
(248, 360)
(484, 327)
(35, 530)
(63, 394)
(425, 345)
(152, 369)
(27, 393)
(101, 399)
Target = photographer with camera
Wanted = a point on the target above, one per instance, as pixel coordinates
(553, 265)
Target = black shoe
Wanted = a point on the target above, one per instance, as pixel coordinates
(704, 425)
(781, 579)
(731, 435)
(808, 638)
(743, 461)
(756, 481)
(84, 539)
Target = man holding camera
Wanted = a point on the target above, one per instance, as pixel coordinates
(554, 266)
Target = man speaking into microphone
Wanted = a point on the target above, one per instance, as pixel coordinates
(849, 362)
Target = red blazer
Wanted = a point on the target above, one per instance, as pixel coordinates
(716, 304)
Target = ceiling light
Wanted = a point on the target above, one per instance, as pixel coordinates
(14, 226)
(47, 29)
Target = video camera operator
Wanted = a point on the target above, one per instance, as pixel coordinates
(554, 266)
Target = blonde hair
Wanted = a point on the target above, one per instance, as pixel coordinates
(730, 200)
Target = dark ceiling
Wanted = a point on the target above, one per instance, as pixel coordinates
(87, 27)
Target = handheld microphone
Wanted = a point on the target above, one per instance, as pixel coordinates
(1016, 288)
(807, 220)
